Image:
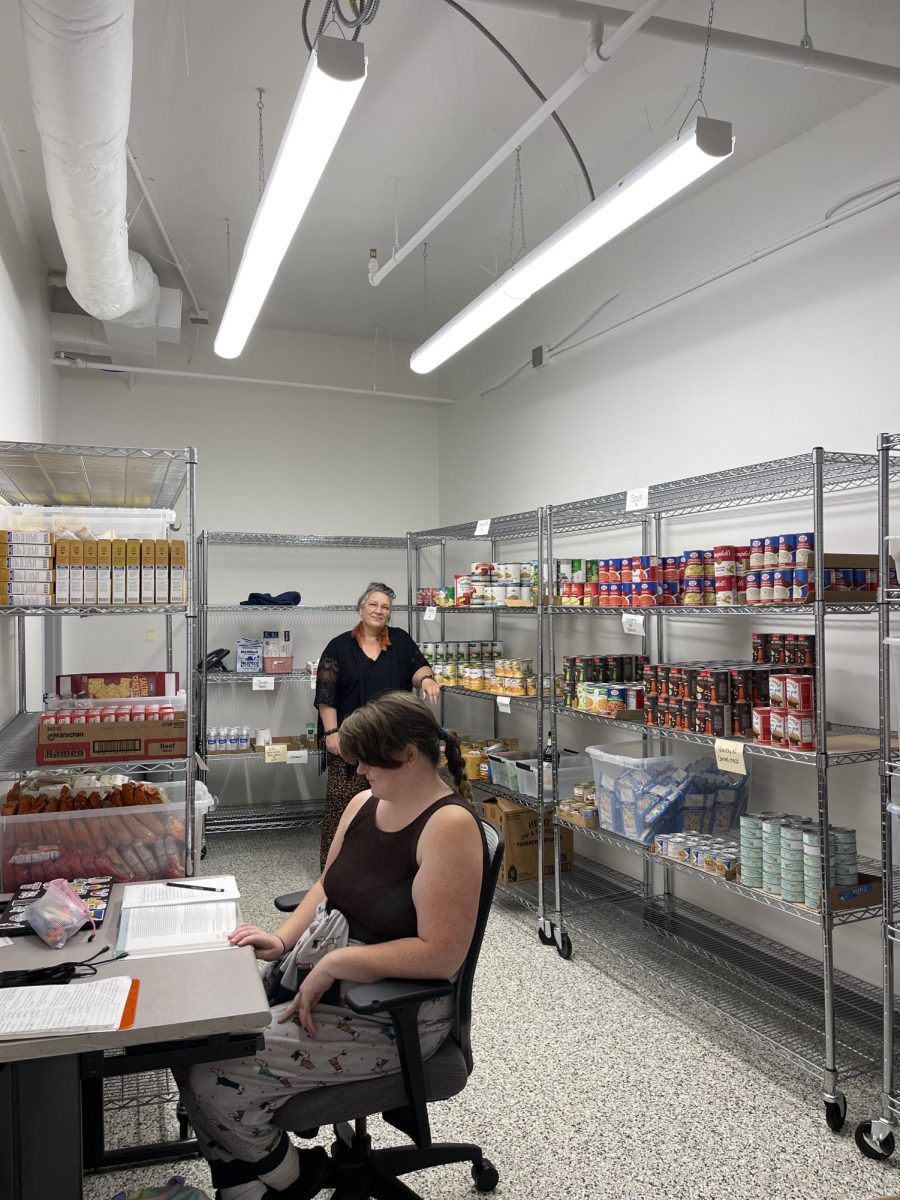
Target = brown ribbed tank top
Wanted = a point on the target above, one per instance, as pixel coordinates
(371, 879)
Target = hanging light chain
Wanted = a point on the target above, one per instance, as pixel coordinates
(709, 26)
(518, 205)
(425, 272)
(228, 252)
(262, 145)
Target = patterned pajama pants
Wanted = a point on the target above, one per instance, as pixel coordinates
(231, 1103)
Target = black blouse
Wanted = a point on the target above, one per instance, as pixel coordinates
(347, 678)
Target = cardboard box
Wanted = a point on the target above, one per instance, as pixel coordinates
(29, 536)
(104, 572)
(177, 564)
(76, 572)
(119, 559)
(133, 571)
(868, 893)
(62, 571)
(520, 827)
(148, 571)
(27, 563)
(161, 557)
(25, 601)
(26, 589)
(117, 685)
(90, 572)
(126, 741)
(24, 550)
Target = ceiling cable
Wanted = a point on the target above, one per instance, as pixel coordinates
(228, 252)
(518, 206)
(425, 273)
(262, 145)
(806, 41)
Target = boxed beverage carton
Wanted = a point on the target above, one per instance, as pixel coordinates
(162, 571)
(520, 827)
(133, 571)
(90, 571)
(76, 572)
(119, 568)
(148, 570)
(177, 564)
(104, 572)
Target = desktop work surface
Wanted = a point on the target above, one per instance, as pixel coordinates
(192, 1007)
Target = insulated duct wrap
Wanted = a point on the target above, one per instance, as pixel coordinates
(79, 55)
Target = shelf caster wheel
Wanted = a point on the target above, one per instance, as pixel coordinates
(485, 1176)
(546, 939)
(836, 1113)
(204, 851)
(184, 1125)
(564, 949)
(867, 1145)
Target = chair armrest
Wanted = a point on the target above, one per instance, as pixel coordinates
(290, 901)
(389, 994)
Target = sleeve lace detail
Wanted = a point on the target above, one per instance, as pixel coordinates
(327, 682)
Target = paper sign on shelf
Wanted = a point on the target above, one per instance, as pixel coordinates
(264, 683)
(636, 498)
(633, 623)
(277, 753)
(730, 756)
(430, 613)
(297, 756)
(503, 703)
(481, 529)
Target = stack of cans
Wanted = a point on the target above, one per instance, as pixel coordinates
(792, 859)
(751, 851)
(846, 864)
(771, 851)
(812, 871)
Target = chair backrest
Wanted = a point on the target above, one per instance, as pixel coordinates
(462, 1022)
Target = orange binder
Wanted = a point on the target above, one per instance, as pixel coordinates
(130, 1010)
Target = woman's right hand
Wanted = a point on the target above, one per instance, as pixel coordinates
(333, 743)
(267, 946)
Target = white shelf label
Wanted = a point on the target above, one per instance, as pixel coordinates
(430, 613)
(298, 756)
(636, 498)
(201, 763)
(633, 623)
(264, 683)
(503, 703)
(730, 756)
(483, 526)
(277, 753)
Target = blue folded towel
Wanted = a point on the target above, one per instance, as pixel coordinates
(285, 598)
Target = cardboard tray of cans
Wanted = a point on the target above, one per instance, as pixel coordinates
(868, 892)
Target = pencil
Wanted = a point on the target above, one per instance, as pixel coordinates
(195, 887)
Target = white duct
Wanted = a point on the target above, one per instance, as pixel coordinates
(79, 55)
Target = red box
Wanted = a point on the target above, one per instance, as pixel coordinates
(116, 685)
(126, 741)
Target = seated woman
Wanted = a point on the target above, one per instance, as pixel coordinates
(407, 868)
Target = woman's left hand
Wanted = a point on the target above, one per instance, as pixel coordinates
(311, 991)
(431, 691)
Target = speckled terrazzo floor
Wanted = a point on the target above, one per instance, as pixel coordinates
(590, 1081)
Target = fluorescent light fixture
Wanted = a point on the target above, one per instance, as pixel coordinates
(333, 79)
(699, 147)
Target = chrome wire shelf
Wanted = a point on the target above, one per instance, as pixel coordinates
(258, 817)
(233, 677)
(585, 884)
(514, 527)
(244, 609)
(78, 476)
(454, 690)
(754, 749)
(18, 754)
(760, 612)
(502, 610)
(482, 785)
(104, 610)
(311, 541)
(228, 758)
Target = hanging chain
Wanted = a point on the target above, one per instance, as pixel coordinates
(709, 25)
(228, 252)
(806, 41)
(518, 205)
(425, 272)
(262, 145)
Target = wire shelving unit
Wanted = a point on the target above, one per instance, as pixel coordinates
(85, 477)
(734, 970)
(256, 814)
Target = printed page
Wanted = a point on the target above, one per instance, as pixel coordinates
(180, 891)
(170, 928)
(57, 1008)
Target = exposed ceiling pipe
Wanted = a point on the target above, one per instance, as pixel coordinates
(695, 35)
(80, 63)
(598, 55)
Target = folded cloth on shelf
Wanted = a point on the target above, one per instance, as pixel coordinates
(286, 598)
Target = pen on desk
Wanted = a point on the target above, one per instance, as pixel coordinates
(195, 887)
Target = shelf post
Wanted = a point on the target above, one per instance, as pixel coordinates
(190, 766)
(21, 676)
(885, 443)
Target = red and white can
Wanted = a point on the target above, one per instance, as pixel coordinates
(799, 693)
(800, 730)
(778, 719)
(725, 559)
(762, 731)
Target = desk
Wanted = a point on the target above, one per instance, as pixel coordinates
(192, 1007)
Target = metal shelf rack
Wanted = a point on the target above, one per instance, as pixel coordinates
(84, 477)
(809, 476)
(257, 816)
(875, 1137)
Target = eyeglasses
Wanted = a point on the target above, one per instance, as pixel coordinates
(374, 607)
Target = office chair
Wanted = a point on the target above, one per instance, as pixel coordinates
(359, 1171)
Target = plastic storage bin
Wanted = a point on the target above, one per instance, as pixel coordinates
(573, 768)
(642, 792)
(502, 765)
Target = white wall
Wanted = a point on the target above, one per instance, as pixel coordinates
(278, 461)
(795, 351)
(28, 393)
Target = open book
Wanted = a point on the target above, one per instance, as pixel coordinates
(170, 928)
(61, 1008)
(197, 890)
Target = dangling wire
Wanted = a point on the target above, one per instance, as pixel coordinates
(425, 272)
(518, 205)
(699, 101)
(262, 145)
(228, 252)
(365, 12)
(806, 41)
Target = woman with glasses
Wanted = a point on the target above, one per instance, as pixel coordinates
(354, 668)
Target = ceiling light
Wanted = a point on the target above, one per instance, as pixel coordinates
(333, 79)
(699, 147)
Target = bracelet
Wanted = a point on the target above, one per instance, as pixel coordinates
(281, 939)
(424, 677)
(329, 732)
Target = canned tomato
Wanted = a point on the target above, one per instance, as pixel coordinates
(757, 558)
(670, 568)
(799, 692)
(725, 559)
(616, 595)
(643, 595)
(770, 553)
(603, 594)
(766, 587)
(602, 570)
(693, 564)
(782, 585)
(762, 725)
(625, 570)
(614, 570)
(800, 731)
(804, 552)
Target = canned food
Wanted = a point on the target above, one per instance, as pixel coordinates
(481, 570)
(770, 553)
(782, 585)
(799, 692)
(757, 558)
(693, 564)
(766, 587)
(709, 564)
(473, 677)
(635, 697)
(725, 560)
(778, 691)
(778, 725)
(693, 591)
(726, 593)
(742, 560)
(804, 585)
(762, 726)
(787, 549)
(670, 569)
(804, 550)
